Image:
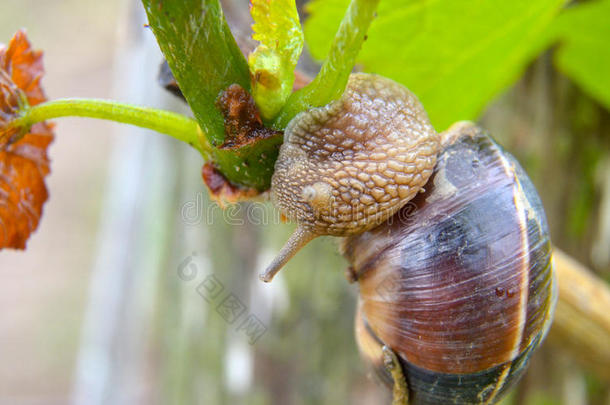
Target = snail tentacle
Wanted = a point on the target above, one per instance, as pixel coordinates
(299, 238)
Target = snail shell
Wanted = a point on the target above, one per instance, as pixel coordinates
(350, 165)
(459, 283)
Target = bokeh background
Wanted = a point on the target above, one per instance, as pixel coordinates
(121, 296)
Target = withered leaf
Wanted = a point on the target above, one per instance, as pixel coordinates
(221, 190)
(24, 163)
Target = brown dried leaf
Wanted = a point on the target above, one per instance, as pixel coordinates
(242, 120)
(24, 163)
(221, 190)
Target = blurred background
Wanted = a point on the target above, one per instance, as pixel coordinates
(137, 290)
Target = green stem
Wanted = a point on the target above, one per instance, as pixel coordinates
(175, 125)
(330, 82)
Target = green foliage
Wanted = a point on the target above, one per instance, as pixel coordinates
(584, 51)
(277, 28)
(330, 82)
(194, 37)
(202, 54)
(455, 55)
(580, 205)
(542, 398)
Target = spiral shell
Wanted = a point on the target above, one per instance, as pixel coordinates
(459, 283)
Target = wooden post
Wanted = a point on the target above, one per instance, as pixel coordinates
(582, 318)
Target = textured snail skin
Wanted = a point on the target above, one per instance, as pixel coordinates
(350, 165)
(459, 283)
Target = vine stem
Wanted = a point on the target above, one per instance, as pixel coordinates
(330, 82)
(176, 125)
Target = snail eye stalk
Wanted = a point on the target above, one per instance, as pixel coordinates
(297, 240)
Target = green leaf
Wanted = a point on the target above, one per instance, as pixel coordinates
(584, 52)
(330, 82)
(455, 55)
(277, 28)
(205, 60)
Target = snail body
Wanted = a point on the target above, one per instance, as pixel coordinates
(348, 166)
(459, 284)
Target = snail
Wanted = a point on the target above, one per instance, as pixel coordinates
(457, 289)
(350, 165)
(444, 233)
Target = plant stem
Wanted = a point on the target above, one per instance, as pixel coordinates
(203, 56)
(330, 82)
(582, 320)
(175, 125)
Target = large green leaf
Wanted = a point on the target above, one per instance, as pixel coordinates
(584, 51)
(455, 55)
